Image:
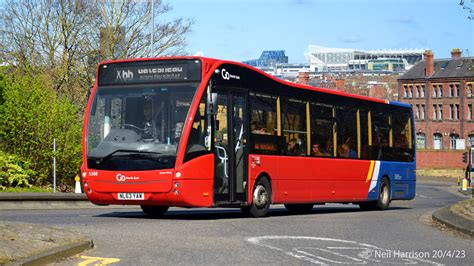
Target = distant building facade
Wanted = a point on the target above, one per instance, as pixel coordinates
(441, 92)
(268, 59)
(324, 59)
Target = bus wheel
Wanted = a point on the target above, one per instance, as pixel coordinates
(299, 208)
(154, 211)
(261, 199)
(383, 200)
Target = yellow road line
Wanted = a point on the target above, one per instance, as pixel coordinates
(97, 261)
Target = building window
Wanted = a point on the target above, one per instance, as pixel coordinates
(451, 90)
(420, 140)
(437, 141)
(422, 112)
(410, 91)
(418, 92)
(471, 140)
(469, 90)
(451, 111)
(456, 112)
(405, 94)
(456, 92)
(422, 91)
(469, 112)
(434, 91)
(417, 112)
(440, 112)
(440, 91)
(452, 141)
(435, 112)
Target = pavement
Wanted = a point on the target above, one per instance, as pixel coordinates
(35, 244)
(28, 243)
(459, 216)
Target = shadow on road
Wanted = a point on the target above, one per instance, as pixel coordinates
(219, 214)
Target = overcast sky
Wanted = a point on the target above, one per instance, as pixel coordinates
(241, 29)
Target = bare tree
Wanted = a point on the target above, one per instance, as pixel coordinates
(468, 9)
(65, 39)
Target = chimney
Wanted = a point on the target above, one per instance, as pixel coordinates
(429, 63)
(456, 54)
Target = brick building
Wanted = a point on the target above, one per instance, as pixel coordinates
(441, 92)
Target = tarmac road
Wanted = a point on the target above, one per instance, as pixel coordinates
(331, 234)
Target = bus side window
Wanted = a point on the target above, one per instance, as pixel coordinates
(294, 126)
(263, 124)
(380, 136)
(263, 120)
(401, 137)
(346, 132)
(322, 129)
(196, 141)
(364, 134)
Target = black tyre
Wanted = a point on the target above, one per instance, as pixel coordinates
(154, 211)
(383, 199)
(299, 208)
(261, 199)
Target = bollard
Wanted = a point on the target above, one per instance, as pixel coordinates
(464, 184)
(77, 188)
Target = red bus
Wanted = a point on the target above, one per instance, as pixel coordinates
(201, 132)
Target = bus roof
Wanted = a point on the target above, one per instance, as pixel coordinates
(214, 63)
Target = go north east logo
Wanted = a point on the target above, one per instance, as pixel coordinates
(124, 75)
(123, 178)
(226, 75)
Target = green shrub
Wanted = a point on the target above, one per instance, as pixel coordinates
(14, 172)
(31, 116)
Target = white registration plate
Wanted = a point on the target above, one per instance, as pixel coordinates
(131, 196)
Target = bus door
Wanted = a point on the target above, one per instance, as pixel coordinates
(230, 147)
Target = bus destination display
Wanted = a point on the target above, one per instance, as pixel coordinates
(149, 72)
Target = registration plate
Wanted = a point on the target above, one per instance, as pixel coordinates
(131, 196)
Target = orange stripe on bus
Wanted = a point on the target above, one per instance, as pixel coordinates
(371, 171)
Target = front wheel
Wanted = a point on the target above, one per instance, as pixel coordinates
(261, 199)
(154, 211)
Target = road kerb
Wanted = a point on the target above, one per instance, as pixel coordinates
(447, 217)
(56, 254)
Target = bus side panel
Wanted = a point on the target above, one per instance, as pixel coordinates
(305, 179)
(195, 182)
(262, 165)
(402, 180)
(322, 179)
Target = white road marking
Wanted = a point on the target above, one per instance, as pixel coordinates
(327, 254)
(422, 196)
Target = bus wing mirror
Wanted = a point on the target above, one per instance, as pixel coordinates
(89, 91)
(212, 104)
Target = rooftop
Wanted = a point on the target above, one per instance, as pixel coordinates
(443, 68)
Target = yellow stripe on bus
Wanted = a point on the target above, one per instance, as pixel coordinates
(371, 171)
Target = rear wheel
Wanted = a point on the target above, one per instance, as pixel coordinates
(261, 199)
(299, 208)
(154, 211)
(383, 200)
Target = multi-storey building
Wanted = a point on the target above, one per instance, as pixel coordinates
(323, 59)
(441, 92)
(268, 59)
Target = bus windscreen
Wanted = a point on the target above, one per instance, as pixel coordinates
(137, 127)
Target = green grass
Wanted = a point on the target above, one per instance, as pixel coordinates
(464, 208)
(24, 189)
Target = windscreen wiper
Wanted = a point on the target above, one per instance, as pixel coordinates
(112, 154)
